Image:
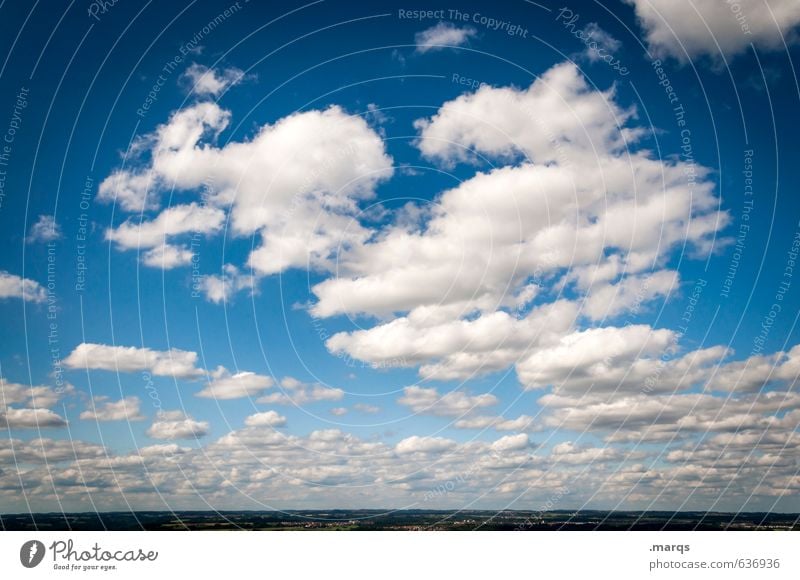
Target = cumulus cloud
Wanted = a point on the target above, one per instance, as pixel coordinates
(222, 288)
(173, 221)
(453, 404)
(227, 385)
(685, 29)
(636, 417)
(31, 396)
(607, 300)
(441, 36)
(167, 257)
(511, 443)
(139, 189)
(36, 402)
(522, 423)
(266, 419)
(176, 363)
(204, 81)
(293, 392)
(556, 118)
(15, 418)
(297, 183)
(126, 409)
(154, 236)
(466, 286)
(13, 286)
(46, 451)
(45, 229)
(456, 348)
(331, 465)
(172, 425)
(417, 444)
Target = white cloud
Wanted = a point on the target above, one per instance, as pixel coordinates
(599, 42)
(293, 392)
(752, 437)
(453, 404)
(132, 191)
(522, 423)
(224, 385)
(297, 183)
(171, 147)
(366, 408)
(457, 281)
(154, 235)
(442, 35)
(176, 363)
(570, 453)
(557, 118)
(31, 396)
(511, 443)
(338, 411)
(47, 451)
(13, 286)
(417, 444)
(173, 221)
(266, 419)
(637, 359)
(456, 348)
(37, 402)
(685, 29)
(756, 372)
(44, 230)
(172, 425)
(626, 417)
(167, 257)
(12, 418)
(204, 81)
(609, 300)
(126, 409)
(222, 288)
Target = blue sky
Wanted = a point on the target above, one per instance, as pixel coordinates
(339, 256)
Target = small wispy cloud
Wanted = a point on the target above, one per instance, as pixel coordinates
(204, 81)
(599, 43)
(442, 36)
(44, 230)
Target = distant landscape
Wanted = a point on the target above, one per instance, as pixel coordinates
(404, 520)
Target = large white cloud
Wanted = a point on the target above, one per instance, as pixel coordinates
(456, 348)
(170, 363)
(559, 117)
(472, 284)
(296, 183)
(688, 28)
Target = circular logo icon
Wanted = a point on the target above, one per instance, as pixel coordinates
(31, 553)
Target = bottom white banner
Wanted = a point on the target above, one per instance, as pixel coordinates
(355, 555)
